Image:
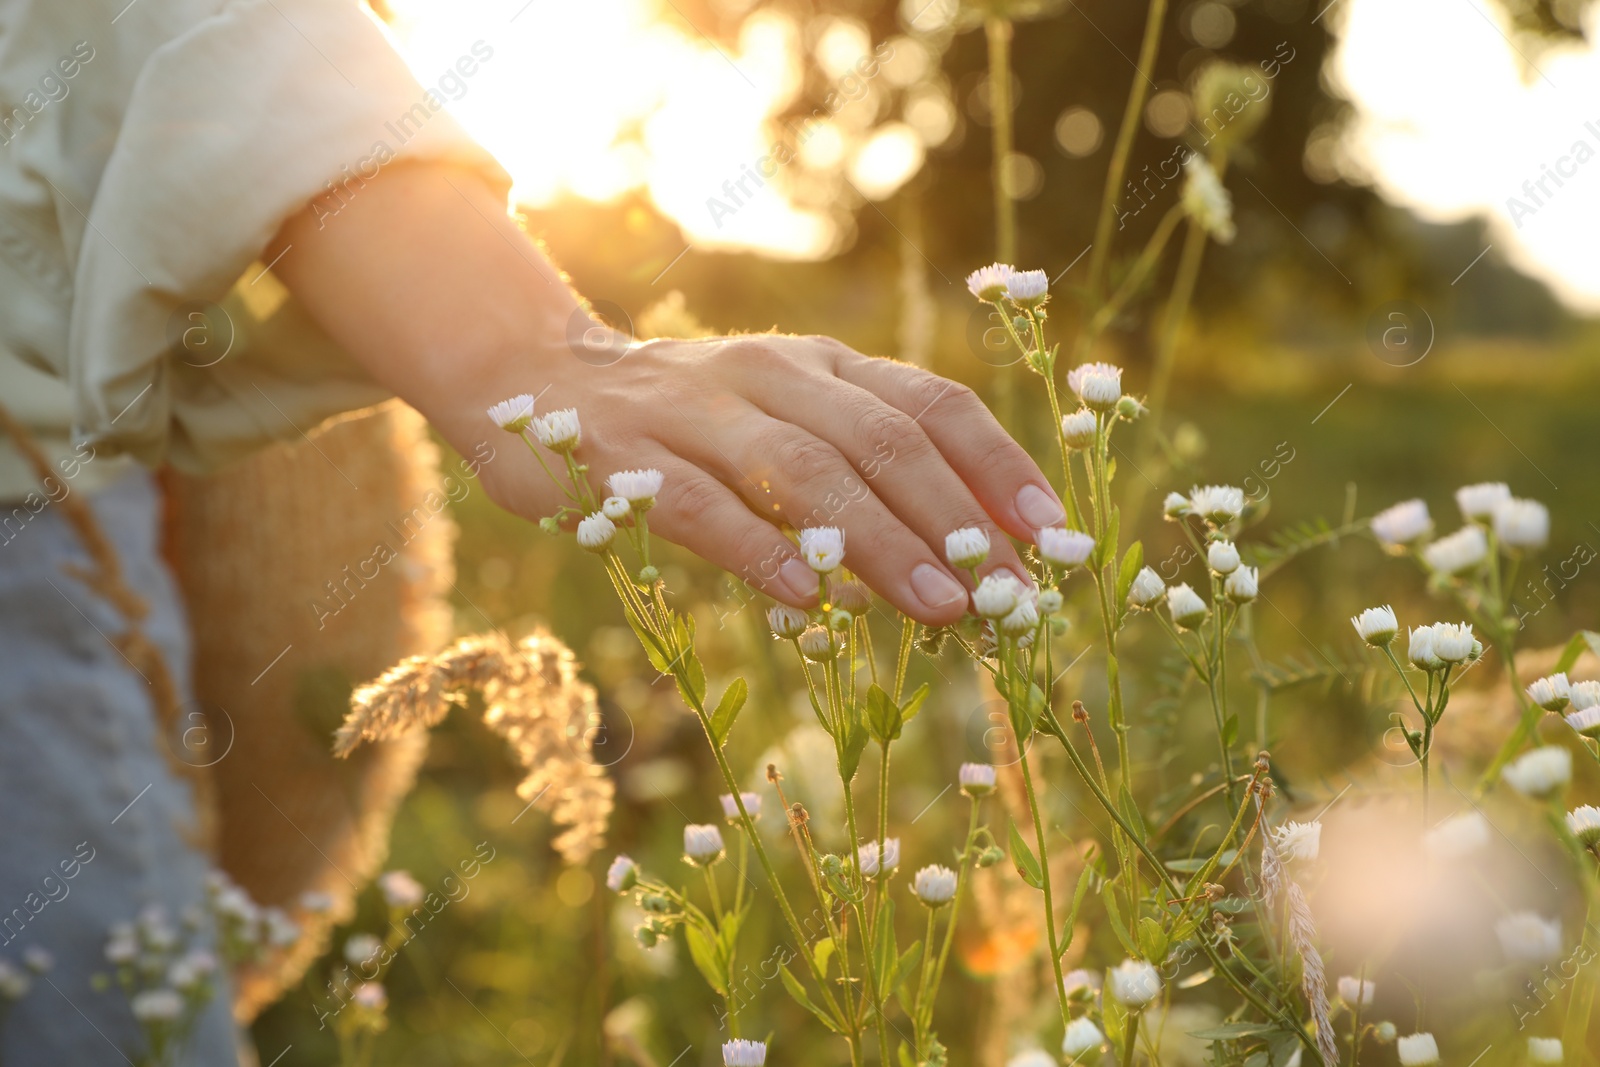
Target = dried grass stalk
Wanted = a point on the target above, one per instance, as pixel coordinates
(1276, 884)
(532, 697)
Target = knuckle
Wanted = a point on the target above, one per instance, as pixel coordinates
(883, 426)
(754, 352)
(928, 390)
(693, 499)
(803, 458)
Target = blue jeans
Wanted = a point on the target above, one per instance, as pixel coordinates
(92, 817)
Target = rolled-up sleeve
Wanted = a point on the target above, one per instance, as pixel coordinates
(232, 127)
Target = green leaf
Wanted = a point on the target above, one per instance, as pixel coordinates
(905, 967)
(1153, 940)
(906, 1056)
(708, 958)
(1106, 550)
(1022, 856)
(1131, 564)
(913, 703)
(850, 755)
(821, 954)
(1077, 905)
(885, 952)
(1130, 810)
(660, 659)
(1581, 641)
(798, 992)
(1233, 1031)
(1108, 895)
(882, 715)
(728, 710)
(1230, 731)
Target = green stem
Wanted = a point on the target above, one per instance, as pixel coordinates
(1133, 1039)
(998, 32)
(1049, 894)
(962, 877)
(1099, 255)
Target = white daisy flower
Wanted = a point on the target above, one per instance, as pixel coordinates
(786, 622)
(1458, 836)
(817, 644)
(1586, 722)
(1540, 772)
(1456, 553)
(1527, 937)
(638, 487)
(1219, 503)
(1078, 428)
(702, 843)
(1146, 589)
(1402, 524)
(822, 547)
(1420, 650)
(1082, 1036)
(1176, 506)
(596, 532)
(559, 431)
(879, 858)
(1453, 642)
(730, 810)
(1377, 626)
(1584, 695)
(1479, 501)
(400, 890)
(622, 875)
(1552, 693)
(1064, 548)
(934, 885)
(1544, 1051)
(1222, 557)
(371, 996)
(742, 1053)
(514, 415)
(1522, 523)
(1418, 1050)
(997, 595)
(966, 548)
(1028, 287)
(1188, 611)
(977, 779)
(1106, 386)
(157, 1006)
(990, 283)
(1354, 991)
(1135, 983)
(1242, 585)
(1584, 823)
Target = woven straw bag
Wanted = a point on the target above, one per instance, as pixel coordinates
(278, 559)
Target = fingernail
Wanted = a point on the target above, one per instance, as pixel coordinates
(934, 587)
(799, 577)
(1037, 507)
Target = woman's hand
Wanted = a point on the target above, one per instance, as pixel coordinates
(425, 281)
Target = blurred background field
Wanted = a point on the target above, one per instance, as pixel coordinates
(1276, 379)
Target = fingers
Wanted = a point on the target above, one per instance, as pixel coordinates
(697, 511)
(891, 454)
(813, 484)
(998, 472)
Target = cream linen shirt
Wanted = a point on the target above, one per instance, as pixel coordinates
(148, 153)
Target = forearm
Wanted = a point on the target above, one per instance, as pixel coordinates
(424, 279)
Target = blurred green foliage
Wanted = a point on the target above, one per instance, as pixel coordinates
(528, 967)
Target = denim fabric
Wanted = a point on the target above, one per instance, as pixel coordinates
(92, 816)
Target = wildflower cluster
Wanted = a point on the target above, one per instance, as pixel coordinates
(1232, 903)
(171, 968)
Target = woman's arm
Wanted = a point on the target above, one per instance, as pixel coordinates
(426, 281)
